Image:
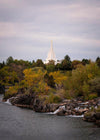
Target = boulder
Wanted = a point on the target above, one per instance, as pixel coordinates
(97, 115)
(61, 112)
(69, 112)
(21, 99)
(81, 111)
(97, 123)
(53, 107)
(90, 117)
(40, 106)
(73, 112)
(98, 103)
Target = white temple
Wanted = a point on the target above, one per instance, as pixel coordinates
(51, 55)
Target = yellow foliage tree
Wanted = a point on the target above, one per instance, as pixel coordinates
(33, 77)
(59, 77)
(42, 87)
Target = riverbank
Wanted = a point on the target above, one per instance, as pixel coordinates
(93, 115)
(25, 124)
(65, 108)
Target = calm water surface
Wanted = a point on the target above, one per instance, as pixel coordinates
(23, 124)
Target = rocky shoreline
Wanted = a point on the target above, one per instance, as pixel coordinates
(66, 107)
(93, 115)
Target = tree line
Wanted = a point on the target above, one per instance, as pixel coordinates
(65, 64)
(68, 79)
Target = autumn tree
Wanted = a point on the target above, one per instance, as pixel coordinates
(34, 79)
(78, 83)
(98, 61)
(49, 80)
(85, 61)
(39, 63)
(2, 64)
(7, 77)
(67, 58)
(75, 63)
(52, 62)
(9, 60)
(66, 63)
(50, 67)
(59, 78)
(33, 63)
(58, 66)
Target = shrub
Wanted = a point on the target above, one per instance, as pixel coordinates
(49, 80)
(92, 96)
(56, 99)
(53, 98)
(81, 81)
(98, 109)
(88, 114)
(95, 85)
(86, 90)
(69, 94)
(50, 67)
(11, 92)
(98, 61)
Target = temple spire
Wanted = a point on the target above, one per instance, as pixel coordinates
(51, 54)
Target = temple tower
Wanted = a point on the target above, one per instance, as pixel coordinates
(51, 55)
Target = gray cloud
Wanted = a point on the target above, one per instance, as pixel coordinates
(26, 28)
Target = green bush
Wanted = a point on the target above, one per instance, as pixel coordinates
(50, 67)
(81, 81)
(56, 99)
(98, 109)
(53, 98)
(95, 85)
(69, 94)
(85, 90)
(49, 80)
(11, 92)
(92, 96)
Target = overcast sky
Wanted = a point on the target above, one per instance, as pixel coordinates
(28, 26)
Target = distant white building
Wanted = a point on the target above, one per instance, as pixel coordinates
(51, 55)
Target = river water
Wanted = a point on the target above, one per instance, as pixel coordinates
(24, 124)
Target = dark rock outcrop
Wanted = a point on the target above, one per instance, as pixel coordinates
(22, 100)
(89, 116)
(97, 115)
(61, 112)
(93, 116)
(33, 102)
(40, 106)
(2, 89)
(97, 123)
